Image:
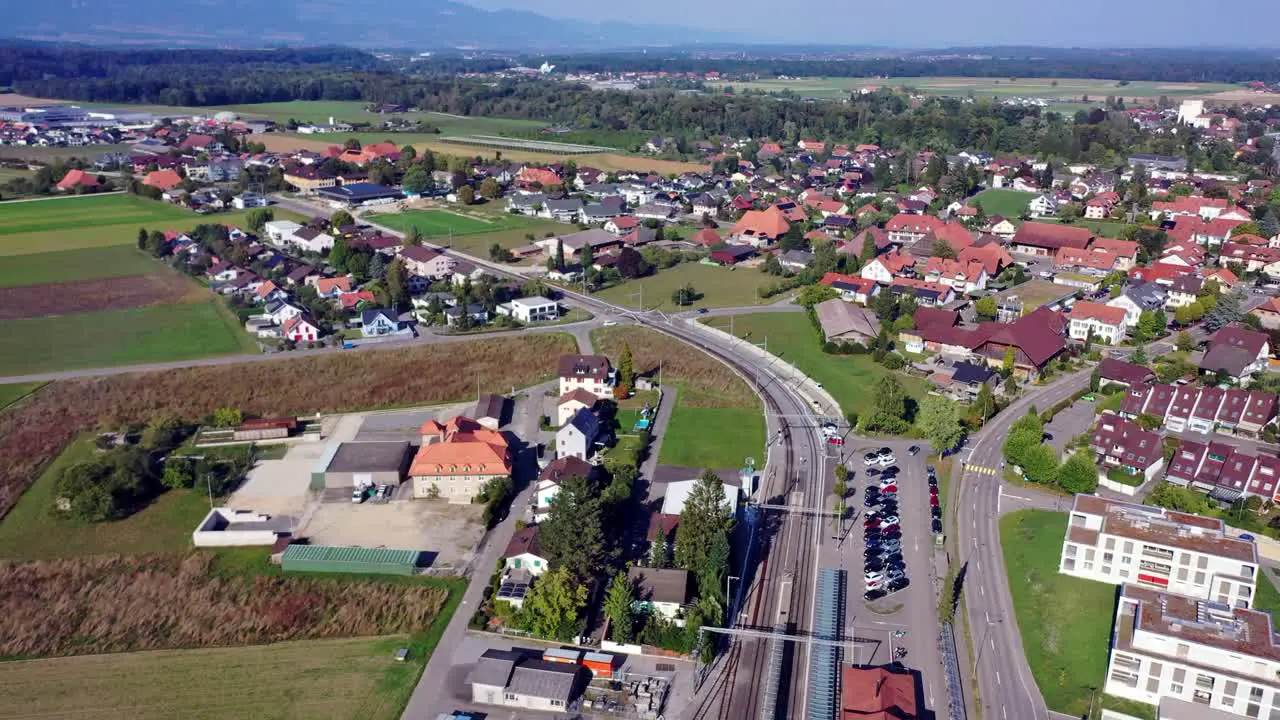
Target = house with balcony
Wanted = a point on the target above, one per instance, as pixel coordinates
(1223, 472)
(1123, 444)
(1103, 323)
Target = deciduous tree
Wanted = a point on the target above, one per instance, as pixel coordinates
(1078, 474)
(551, 608)
(940, 421)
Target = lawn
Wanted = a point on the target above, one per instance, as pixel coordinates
(851, 379)
(1060, 88)
(475, 232)
(78, 264)
(439, 223)
(120, 337)
(1009, 203)
(1267, 598)
(719, 287)
(348, 678)
(1066, 642)
(13, 392)
(32, 531)
(738, 434)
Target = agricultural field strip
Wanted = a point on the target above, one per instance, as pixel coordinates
(84, 211)
(533, 145)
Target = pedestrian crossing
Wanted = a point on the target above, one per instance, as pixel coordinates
(979, 469)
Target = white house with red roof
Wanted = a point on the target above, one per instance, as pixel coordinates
(963, 277)
(301, 328)
(1105, 323)
(885, 268)
(851, 287)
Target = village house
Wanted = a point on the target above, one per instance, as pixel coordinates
(845, 322)
(581, 437)
(1102, 323)
(662, 592)
(1238, 351)
(1202, 410)
(851, 287)
(591, 373)
(427, 262)
(759, 228)
(885, 268)
(379, 323)
(457, 458)
(1044, 240)
(1123, 444)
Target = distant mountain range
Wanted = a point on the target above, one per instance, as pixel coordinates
(410, 24)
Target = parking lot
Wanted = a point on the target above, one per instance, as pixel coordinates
(449, 531)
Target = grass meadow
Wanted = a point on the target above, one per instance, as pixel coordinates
(719, 287)
(998, 201)
(108, 261)
(85, 213)
(1066, 642)
(851, 379)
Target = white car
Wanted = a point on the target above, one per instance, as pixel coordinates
(870, 459)
(873, 578)
(886, 460)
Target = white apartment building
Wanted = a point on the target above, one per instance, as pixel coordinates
(586, 372)
(531, 309)
(1119, 543)
(1206, 653)
(1105, 323)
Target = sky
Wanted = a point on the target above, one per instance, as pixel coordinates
(940, 23)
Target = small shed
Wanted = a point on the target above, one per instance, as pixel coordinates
(264, 429)
(328, 558)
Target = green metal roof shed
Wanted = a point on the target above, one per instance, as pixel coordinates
(328, 558)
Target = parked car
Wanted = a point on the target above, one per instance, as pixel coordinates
(888, 489)
(937, 526)
(937, 511)
(888, 459)
(870, 459)
(873, 595)
(896, 585)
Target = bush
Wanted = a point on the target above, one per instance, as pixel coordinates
(894, 362)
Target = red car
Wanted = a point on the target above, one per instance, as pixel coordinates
(933, 500)
(889, 490)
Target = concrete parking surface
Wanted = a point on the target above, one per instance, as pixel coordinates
(449, 531)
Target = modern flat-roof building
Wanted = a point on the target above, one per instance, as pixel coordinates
(514, 679)
(1118, 543)
(1206, 653)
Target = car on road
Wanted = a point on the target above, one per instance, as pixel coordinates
(929, 469)
(702, 311)
(933, 481)
(873, 595)
(913, 450)
(609, 323)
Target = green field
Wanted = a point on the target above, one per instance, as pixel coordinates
(1267, 598)
(440, 223)
(120, 337)
(80, 264)
(353, 111)
(1072, 89)
(13, 392)
(1066, 643)
(851, 379)
(350, 678)
(719, 286)
(1009, 203)
(739, 434)
(49, 154)
(474, 233)
(86, 211)
(43, 226)
(32, 531)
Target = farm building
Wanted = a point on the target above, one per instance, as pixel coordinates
(352, 464)
(490, 410)
(356, 194)
(264, 429)
(327, 558)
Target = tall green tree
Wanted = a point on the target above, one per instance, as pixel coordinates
(397, 279)
(889, 408)
(1078, 474)
(618, 602)
(339, 254)
(572, 535)
(702, 537)
(341, 218)
(985, 404)
(560, 254)
(940, 421)
(551, 609)
(417, 180)
(626, 367)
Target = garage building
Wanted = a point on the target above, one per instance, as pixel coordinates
(350, 464)
(328, 558)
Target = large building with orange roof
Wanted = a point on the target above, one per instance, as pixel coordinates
(457, 458)
(760, 227)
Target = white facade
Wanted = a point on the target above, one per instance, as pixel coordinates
(224, 527)
(1117, 543)
(1043, 206)
(1102, 332)
(278, 230)
(1216, 657)
(875, 270)
(532, 309)
(601, 388)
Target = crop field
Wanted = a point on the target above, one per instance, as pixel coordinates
(94, 296)
(110, 603)
(474, 232)
(547, 146)
(70, 265)
(33, 432)
(302, 680)
(13, 392)
(719, 287)
(607, 161)
(155, 333)
(92, 210)
(49, 154)
(1047, 88)
(1009, 203)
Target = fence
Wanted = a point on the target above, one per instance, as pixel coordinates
(951, 669)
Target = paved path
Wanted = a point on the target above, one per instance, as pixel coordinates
(658, 432)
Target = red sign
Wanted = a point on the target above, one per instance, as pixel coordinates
(1153, 579)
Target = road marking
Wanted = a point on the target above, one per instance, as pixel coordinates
(983, 591)
(997, 677)
(979, 469)
(1018, 497)
(1003, 714)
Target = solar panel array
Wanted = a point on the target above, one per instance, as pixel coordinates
(824, 660)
